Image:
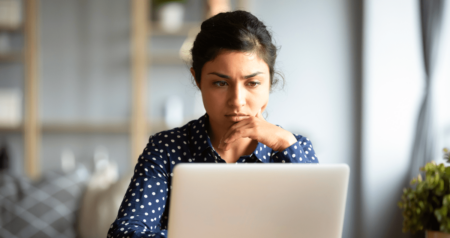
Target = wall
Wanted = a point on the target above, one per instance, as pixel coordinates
(392, 93)
(442, 84)
(393, 87)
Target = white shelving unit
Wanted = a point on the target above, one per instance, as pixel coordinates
(138, 126)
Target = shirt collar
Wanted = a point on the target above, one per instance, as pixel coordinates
(199, 141)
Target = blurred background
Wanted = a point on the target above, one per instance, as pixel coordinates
(84, 83)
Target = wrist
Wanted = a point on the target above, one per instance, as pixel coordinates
(286, 141)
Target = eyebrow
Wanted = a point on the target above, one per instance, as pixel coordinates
(228, 77)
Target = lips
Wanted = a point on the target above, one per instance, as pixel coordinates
(236, 115)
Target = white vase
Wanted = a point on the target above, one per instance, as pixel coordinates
(171, 16)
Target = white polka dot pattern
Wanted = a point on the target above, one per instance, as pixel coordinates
(145, 207)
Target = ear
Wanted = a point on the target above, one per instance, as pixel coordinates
(193, 75)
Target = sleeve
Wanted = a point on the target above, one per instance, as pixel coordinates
(300, 152)
(145, 200)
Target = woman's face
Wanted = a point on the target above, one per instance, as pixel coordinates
(235, 85)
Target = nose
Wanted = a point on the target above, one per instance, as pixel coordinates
(236, 96)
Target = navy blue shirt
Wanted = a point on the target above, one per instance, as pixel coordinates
(145, 207)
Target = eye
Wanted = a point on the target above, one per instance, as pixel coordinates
(253, 84)
(220, 83)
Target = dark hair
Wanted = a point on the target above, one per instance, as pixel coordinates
(234, 31)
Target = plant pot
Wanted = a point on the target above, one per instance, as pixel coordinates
(171, 16)
(436, 234)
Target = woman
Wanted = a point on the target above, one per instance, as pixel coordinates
(233, 62)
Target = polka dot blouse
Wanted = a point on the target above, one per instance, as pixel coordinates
(145, 207)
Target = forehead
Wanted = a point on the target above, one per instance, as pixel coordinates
(236, 62)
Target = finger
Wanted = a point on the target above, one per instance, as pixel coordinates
(238, 134)
(233, 135)
(233, 128)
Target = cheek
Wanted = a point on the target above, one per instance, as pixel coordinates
(211, 101)
(259, 100)
(206, 102)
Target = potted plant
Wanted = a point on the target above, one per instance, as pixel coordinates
(426, 206)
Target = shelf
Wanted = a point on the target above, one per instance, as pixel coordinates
(11, 28)
(155, 126)
(167, 58)
(159, 124)
(11, 57)
(155, 30)
(5, 128)
(65, 127)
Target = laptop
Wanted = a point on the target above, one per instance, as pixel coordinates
(258, 200)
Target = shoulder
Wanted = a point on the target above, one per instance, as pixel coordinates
(178, 136)
(168, 140)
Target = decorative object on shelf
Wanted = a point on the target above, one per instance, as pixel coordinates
(173, 112)
(185, 50)
(10, 13)
(10, 107)
(170, 14)
(67, 160)
(214, 7)
(217, 6)
(101, 158)
(427, 205)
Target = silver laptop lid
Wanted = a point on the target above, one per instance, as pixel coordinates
(258, 200)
